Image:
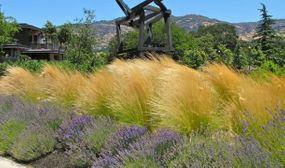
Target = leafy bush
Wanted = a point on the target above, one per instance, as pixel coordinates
(266, 70)
(119, 141)
(269, 136)
(202, 151)
(33, 144)
(122, 139)
(222, 151)
(9, 132)
(250, 153)
(84, 137)
(151, 150)
(157, 149)
(55, 159)
(27, 130)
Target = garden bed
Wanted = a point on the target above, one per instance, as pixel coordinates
(142, 114)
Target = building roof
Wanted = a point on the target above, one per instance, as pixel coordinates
(42, 51)
(27, 26)
(14, 46)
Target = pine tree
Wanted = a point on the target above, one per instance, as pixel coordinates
(266, 34)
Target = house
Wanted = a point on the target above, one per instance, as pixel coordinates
(30, 41)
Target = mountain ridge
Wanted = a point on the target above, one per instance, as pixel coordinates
(106, 29)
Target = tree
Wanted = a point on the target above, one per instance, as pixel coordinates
(64, 35)
(8, 27)
(50, 32)
(80, 49)
(265, 36)
(224, 34)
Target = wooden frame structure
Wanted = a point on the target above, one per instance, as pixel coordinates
(142, 17)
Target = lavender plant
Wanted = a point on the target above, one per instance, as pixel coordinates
(249, 153)
(36, 141)
(119, 141)
(84, 137)
(270, 136)
(24, 124)
(202, 151)
(157, 150)
(123, 138)
(149, 151)
(9, 132)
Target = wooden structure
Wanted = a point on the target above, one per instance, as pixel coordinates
(142, 17)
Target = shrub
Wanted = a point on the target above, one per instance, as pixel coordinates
(55, 159)
(140, 163)
(9, 132)
(149, 151)
(33, 144)
(250, 153)
(117, 142)
(122, 139)
(157, 149)
(202, 151)
(222, 151)
(84, 138)
(27, 130)
(269, 136)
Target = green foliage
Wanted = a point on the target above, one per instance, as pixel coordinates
(8, 27)
(270, 66)
(266, 69)
(203, 151)
(80, 47)
(33, 66)
(265, 34)
(97, 139)
(224, 34)
(9, 132)
(32, 145)
(50, 32)
(64, 34)
(140, 163)
(194, 58)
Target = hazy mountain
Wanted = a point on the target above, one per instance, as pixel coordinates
(106, 30)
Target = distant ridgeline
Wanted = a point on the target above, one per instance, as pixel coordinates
(106, 30)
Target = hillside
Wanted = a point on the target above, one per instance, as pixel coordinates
(106, 29)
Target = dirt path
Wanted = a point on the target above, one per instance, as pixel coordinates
(6, 163)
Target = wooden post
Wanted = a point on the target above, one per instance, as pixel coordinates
(141, 33)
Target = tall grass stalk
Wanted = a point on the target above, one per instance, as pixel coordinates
(155, 92)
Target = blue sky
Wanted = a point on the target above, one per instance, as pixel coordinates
(36, 12)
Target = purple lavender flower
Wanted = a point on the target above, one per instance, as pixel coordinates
(157, 149)
(105, 161)
(117, 142)
(72, 132)
(84, 137)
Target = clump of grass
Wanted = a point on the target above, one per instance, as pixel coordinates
(23, 83)
(32, 144)
(62, 86)
(9, 132)
(155, 93)
(93, 97)
(134, 85)
(225, 81)
(184, 100)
